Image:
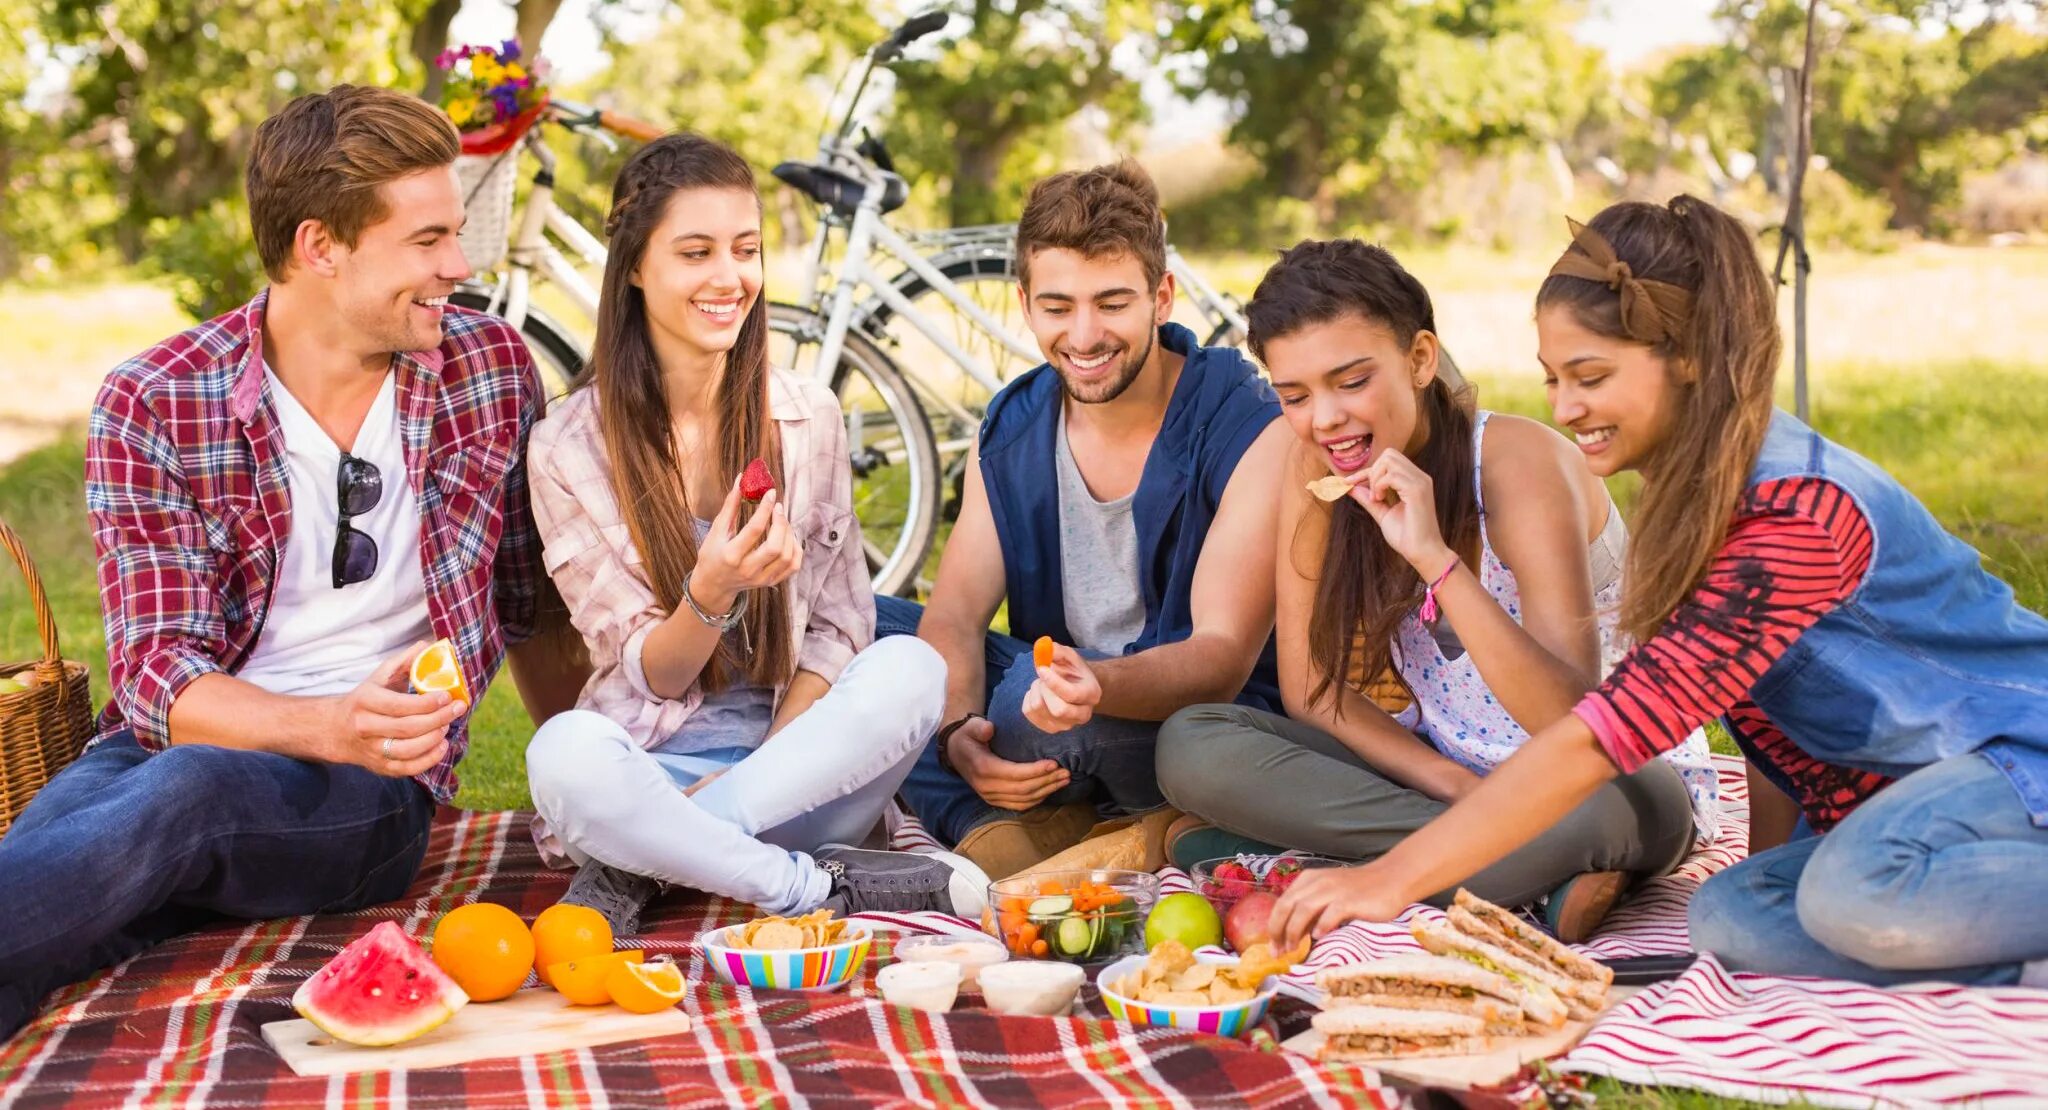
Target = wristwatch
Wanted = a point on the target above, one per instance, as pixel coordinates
(946, 761)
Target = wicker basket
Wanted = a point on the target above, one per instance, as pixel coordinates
(487, 184)
(43, 727)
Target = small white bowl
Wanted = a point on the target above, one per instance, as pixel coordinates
(931, 985)
(1041, 988)
(969, 953)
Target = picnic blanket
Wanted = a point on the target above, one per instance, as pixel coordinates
(178, 1025)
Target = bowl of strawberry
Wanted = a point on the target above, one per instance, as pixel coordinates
(1226, 881)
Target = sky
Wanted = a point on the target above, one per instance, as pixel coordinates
(1628, 29)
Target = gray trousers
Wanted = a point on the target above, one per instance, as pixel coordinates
(1292, 785)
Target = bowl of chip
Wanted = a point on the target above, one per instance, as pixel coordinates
(814, 952)
(1213, 993)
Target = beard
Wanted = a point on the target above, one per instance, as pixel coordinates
(1109, 389)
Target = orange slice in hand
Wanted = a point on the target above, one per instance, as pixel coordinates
(436, 669)
(583, 981)
(645, 988)
(1041, 652)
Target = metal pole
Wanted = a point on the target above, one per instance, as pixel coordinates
(1792, 237)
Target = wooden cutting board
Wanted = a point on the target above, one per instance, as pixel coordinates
(1461, 1072)
(528, 1023)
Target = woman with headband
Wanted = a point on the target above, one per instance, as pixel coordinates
(1866, 662)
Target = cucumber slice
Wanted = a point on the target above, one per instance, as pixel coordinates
(1095, 933)
(1052, 905)
(1073, 937)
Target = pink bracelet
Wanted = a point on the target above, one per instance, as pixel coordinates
(1429, 594)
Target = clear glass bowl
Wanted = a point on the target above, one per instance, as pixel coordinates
(1080, 917)
(1272, 874)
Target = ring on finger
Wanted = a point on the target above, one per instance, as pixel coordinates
(387, 747)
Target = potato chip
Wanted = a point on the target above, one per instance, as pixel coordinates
(1222, 993)
(1194, 978)
(1170, 956)
(779, 934)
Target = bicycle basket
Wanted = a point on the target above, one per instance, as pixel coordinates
(487, 183)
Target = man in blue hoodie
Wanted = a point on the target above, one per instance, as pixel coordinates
(1121, 499)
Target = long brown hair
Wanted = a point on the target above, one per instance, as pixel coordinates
(1363, 588)
(633, 403)
(1723, 359)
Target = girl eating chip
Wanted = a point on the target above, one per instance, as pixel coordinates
(1866, 661)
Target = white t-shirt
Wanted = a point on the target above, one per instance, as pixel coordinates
(318, 640)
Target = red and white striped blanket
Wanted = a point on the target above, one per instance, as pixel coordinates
(1769, 1039)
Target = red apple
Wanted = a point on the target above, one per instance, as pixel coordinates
(1249, 921)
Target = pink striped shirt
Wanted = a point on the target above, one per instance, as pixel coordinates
(588, 551)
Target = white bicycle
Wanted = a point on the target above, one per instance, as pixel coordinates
(914, 355)
(950, 316)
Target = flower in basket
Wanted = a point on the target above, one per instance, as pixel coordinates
(490, 85)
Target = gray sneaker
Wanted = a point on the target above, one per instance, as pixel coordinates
(618, 895)
(864, 879)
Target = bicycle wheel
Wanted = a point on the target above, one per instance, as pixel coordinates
(556, 354)
(889, 444)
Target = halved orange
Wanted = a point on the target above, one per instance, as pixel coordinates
(436, 669)
(583, 981)
(645, 988)
(565, 932)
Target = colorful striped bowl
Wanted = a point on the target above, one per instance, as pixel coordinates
(789, 969)
(1234, 1020)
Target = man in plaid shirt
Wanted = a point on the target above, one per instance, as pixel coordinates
(288, 501)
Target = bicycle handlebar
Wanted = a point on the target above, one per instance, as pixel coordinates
(913, 29)
(629, 127)
(578, 116)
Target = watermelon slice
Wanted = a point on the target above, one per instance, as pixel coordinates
(381, 989)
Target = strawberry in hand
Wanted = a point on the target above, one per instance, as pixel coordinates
(755, 482)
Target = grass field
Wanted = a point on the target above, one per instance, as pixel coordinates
(1927, 364)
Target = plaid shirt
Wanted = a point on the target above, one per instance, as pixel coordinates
(187, 490)
(589, 552)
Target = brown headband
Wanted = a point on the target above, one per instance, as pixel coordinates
(1651, 311)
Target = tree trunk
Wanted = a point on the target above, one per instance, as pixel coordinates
(429, 38)
(534, 17)
(977, 163)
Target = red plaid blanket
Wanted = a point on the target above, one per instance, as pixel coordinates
(179, 1026)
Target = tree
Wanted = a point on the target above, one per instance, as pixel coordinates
(1907, 99)
(1335, 97)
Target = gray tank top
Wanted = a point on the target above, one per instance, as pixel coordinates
(1098, 559)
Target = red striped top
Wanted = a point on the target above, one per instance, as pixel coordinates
(1797, 548)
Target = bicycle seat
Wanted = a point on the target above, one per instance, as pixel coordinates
(837, 190)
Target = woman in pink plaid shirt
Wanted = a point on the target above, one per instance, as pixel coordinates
(743, 729)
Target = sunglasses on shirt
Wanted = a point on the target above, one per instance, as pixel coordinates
(358, 487)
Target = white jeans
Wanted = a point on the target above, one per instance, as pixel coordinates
(824, 778)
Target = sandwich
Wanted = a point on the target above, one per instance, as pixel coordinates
(1434, 983)
(1378, 1033)
(1544, 996)
(1514, 934)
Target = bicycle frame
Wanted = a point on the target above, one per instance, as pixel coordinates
(867, 233)
(531, 251)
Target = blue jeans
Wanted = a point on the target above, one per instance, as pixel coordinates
(124, 850)
(1108, 760)
(1941, 876)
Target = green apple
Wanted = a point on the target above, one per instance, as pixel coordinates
(1186, 917)
(9, 686)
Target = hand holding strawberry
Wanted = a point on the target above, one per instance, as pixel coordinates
(764, 551)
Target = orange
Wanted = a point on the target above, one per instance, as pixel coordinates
(563, 932)
(582, 980)
(645, 988)
(436, 669)
(485, 948)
